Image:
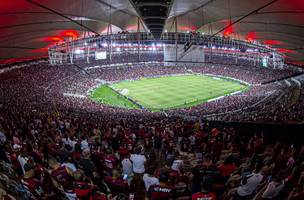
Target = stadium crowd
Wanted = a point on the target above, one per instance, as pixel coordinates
(78, 155)
(45, 86)
(82, 82)
(58, 147)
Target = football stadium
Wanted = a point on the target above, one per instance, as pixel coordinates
(152, 99)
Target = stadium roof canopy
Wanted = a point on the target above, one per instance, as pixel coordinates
(28, 27)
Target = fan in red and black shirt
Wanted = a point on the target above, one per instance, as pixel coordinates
(204, 169)
(110, 161)
(205, 193)
(227, 168)
(33, 184)
(162, 191)
(167, 170)
(199, 137)
(61, 173)
(84, 189)
(116, 183)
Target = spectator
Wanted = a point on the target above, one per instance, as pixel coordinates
(138, 162)
(250, 183)
(127, 166)
(274, 187)
(87, 165)
(149, 178)
(205, 192)
(33, 184)
(161, 191)
(227, 167)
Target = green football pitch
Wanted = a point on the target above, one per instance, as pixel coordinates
(166, 92)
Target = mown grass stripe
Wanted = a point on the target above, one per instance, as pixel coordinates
(176, 91)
